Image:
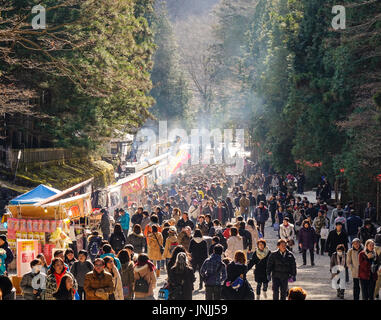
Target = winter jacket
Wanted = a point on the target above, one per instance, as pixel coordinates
(260, 272)
(116, 260)
(137, 219)
(334, 239)
(125, 221)
(365, 270)
(307, 238)
(213, 271)
(105, 224)
(261, 215)
(137, 240)
(95, 281)
(353, 261)
(117, 241)
(204, 228)
(287, 233)
(94, 243)
(153, 246)
(354, 223)
(51, 284)
(281, 267)
(145, 222)
(246, 237)
(319, 223)
(234, 243)
(233, 271)
(117, 283)
(170, 244)
(194, 212)
(244, 204)
(149, 276)
(26, 285)
(127, 275)
(254, 236)
(180, 283)
(79, 271)
(199, 251)
(184, 240)
(224, 214)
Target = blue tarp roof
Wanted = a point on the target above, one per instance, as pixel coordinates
(36, 195)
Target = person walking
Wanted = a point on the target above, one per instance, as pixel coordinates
(336, 237)
(377, 249)
(116, 279)
(155, 248)
(124, 221)
(108, 252)
(307, 241)
(234, 243)
(353, 265)
(198, 249)
(261, 215)
(117, 239)
(287, 233)
(105, 224)
(98, 283)
(338, 265)
(246, 237)
(354, 223)
(126, 274)
(281, 266)
(368, 267)
(94, 245)
(259, 260)
(144, 278)
(79, 270)
(30, 279)
(137, 239)
(181, 278)
(8, 252)
(368, 231)
(213, 273)
(320, 224)
(65, 290)
(244, 206)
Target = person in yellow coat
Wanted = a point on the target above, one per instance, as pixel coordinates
(155, 247)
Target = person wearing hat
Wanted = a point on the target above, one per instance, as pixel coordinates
(9, 255)
(353, 265)
(377, 249)
(336, 237)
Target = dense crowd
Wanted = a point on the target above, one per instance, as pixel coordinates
(212, 224)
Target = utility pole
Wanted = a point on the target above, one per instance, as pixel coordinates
(17, 164)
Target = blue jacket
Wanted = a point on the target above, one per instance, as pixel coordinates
(125, 221)
(213, 271)
(353, 225)
(116, 260)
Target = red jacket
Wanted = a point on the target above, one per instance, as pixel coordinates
(364, 267)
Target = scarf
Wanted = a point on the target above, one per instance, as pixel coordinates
(59, 276)
(343, 260)
(262, 254)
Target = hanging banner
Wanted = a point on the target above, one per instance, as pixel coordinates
(27, 250)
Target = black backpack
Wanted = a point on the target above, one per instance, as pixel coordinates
(94, 248)
(141, 285)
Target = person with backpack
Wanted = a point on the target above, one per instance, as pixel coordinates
(213, 273)
(198, 249)
(180, 279)
(259, 260)
(79, 270)
(117, 239)
(144, 278)
(94, 245)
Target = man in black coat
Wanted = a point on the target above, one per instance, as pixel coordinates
(137, 217)
(336, 237)
(281, 265)
(246, 235)
(184, 222)
(220, 213)
(368, 231)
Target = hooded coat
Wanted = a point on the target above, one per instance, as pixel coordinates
(137, 240)
(149, 276)
(199, 250)
(170, 244)
(153, 246)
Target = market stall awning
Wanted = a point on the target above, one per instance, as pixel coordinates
(36, 195)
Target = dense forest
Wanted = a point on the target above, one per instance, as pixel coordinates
(308, 95)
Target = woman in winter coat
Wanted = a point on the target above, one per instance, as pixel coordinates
(116, 279)
(180, 279)
(307, 241)
(202, 225)
(170, 243)
(154, 242)
(127, 274)
(144, 269)
(198, 248)
(117, 239)
(287, 233)
(65, 290)
(235, 243)
(253, 229)
(56, 272)
(368, 267)
(259, 259)
(137, 239)
(337, 267)
(236, 286)
(353, 265)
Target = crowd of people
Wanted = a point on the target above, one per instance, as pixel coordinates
(213, 224)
